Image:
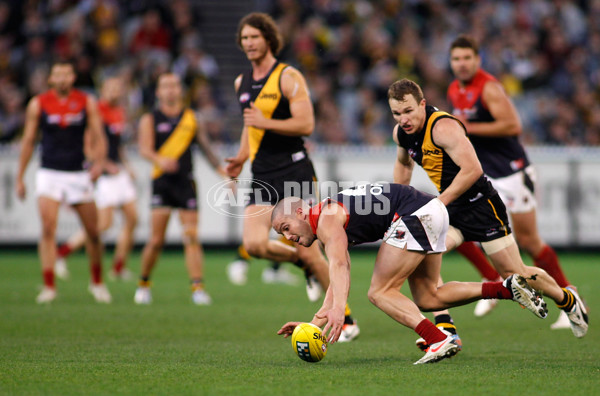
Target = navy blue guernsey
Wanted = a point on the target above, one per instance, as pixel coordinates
(113, 119)
(62, 123)
(372, 208)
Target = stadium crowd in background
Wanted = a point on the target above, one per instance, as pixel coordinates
(546, 53)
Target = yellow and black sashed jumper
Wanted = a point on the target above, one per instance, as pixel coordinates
(478, 213)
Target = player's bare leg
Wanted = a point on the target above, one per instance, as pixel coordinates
(77, 241)
(429, 294)
(392, 267)
(47, 246)
(152, 249)
(194, 260)
(125, 240)
(88, 216)
(257, 225)
(455, 240)
(443, 320)
(524, 226)
(508, 261)
(315, 261)
(194, 256)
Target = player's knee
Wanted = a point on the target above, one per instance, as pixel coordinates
(313, 259)
(426, 304)
(530, 243)
(190, 236)
(131, 221)
(255, 249)
(105, 225)
(156, 242)
(375, 295)
(94, 237)
(48, 229)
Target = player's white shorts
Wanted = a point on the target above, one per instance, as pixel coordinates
(64, 186)
(424, 230)
(115, 190)
(516, 190)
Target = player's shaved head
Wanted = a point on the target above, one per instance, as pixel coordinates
(286, 207)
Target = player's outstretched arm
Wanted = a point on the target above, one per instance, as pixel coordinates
(331, 233)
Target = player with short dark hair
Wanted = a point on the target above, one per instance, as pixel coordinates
(438, 142)
(494, 126)
(68, 120)
(413, 227)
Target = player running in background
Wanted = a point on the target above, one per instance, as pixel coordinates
(413, 227)
(493, 126)
(277, 113)
(68, 120)
(114, 189)
(438, 142)
(237, 272)
(165, 138)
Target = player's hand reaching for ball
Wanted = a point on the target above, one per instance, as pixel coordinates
(335, 323)
(287, 329)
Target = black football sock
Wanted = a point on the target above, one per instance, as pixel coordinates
(445, 321)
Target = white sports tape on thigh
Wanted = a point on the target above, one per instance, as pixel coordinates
(498, 244)
(455, 234)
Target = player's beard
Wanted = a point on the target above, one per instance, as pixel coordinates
(62, 90)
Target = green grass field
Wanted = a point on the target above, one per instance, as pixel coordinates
(77, 347)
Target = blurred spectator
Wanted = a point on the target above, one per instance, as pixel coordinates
(12, 113)
(537, 48)
(152, 34)
(193, 62)
(545, 52)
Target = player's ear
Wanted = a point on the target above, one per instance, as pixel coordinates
(301, 213)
